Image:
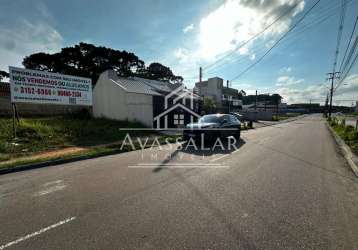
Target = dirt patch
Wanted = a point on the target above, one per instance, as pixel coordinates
(49, 154)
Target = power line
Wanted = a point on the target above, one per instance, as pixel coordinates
(349, 69)
(349, 43)
(339, 36)
(324, 14)
(345, 63)
(277, 42)
(320, 19)
(350, 54)
(253, 37)
(335, 75)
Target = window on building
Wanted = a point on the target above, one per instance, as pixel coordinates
(178, 119)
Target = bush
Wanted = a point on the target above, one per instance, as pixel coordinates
(343, 122)
(349, 128)
(353, 136)
(332, 121)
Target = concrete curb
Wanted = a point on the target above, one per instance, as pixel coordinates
(280, 122)
(345, 149)
(53, 163)
(58, 162)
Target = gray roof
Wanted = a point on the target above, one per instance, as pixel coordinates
(143, 86)
(157, 85)
(134, 86)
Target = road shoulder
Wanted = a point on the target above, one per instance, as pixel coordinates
(350, 157)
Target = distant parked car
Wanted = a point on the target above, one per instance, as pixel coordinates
(239, 116)
(213, 126)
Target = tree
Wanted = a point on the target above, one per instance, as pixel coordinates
(157, 71)
(242, 93)
(276, 99)
(88, 60)
(3, 74)
(209, 105)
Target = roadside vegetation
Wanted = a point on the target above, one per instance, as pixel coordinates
(281, 117)
(44, 134)
(347, 132)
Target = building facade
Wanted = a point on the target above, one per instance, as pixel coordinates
(153, 103)
(226, 98)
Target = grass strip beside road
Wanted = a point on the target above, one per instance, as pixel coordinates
(43, 139)
(87, 153)
(346, 132)
(286, 116)
(42, 134)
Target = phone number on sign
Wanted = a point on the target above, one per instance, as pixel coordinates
(40, 91)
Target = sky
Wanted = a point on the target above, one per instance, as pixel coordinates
(189, 34)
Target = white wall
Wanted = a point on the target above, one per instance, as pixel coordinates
(108, 99)
(113, 102)
(140, 108)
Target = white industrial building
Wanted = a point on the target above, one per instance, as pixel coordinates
(123, 99)
(143, 100)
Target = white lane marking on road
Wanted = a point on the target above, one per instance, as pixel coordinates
(51, 187)
(179, 166)
(26, 237)
(50, 190)
(219, 158)
(52, 183)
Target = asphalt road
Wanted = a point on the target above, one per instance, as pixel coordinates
(286, 186)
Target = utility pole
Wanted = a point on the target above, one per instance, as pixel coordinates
(256, 100)
(200, 74)
(332, 76)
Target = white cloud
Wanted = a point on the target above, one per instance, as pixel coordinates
(236, 21)
(25, 38)
(181, 54)
(286, 70)
(287, 81)
(344, 95)
(232, 23)
(188, 28)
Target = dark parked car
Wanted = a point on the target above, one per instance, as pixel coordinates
(239, 116)
(213, 126)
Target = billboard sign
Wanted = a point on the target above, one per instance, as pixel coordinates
(42, 87)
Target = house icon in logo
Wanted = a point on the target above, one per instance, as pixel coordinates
(180, 107)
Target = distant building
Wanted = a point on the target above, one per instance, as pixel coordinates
(226, 98)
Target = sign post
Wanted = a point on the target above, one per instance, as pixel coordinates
(13, 120)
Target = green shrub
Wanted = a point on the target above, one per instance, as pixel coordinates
(349, 128)
(353, 136)
(343, 122)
